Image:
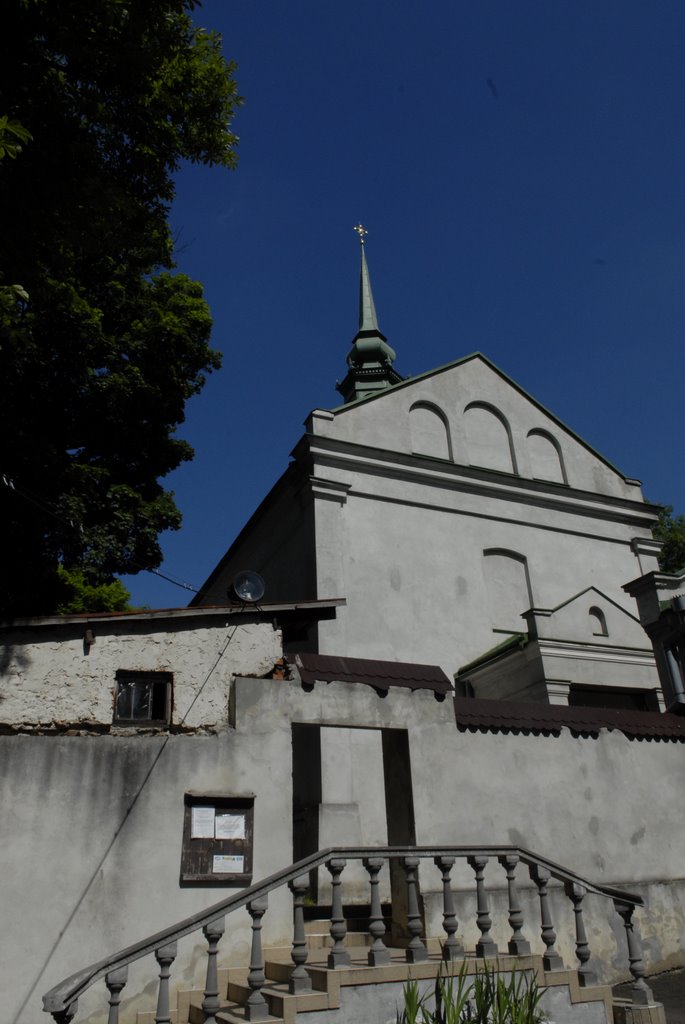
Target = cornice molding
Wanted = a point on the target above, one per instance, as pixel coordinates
(444, 475)
(576, 650)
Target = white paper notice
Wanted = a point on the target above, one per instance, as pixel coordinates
(202, 823)
(224, 864)
(229, 826)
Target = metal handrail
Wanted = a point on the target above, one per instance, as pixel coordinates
(65, 994)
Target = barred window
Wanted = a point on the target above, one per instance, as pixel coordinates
(143, 697)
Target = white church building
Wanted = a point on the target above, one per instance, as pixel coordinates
(455, 514)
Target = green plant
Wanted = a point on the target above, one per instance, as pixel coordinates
(452, 998)
(412, 1011)
(489, 997)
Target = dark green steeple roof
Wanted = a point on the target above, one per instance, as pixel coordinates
(370, 359)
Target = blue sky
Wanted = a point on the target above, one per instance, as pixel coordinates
(520, 167)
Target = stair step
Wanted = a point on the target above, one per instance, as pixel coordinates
(285, 1006)
(280, 970)
(233, 1014)
(282, 1003)
(236, 1015)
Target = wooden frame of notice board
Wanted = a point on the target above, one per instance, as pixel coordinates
(218, 834)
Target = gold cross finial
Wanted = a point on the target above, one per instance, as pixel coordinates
(361, 231)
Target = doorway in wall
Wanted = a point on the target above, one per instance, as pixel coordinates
(353, 787)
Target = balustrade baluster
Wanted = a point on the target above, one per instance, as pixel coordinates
(211, 1003)
(114, 981)
(165, 957)
(640, 991)
(338, 956)
(416, 950)
(551, 961)
(299, 979)
(576, 893)
(378, 954)
(451, 949)
(518, 944)
(256, 1007)
(486, 946)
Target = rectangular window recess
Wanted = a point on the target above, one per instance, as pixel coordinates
(611, 697)
(218, 833)
(142, 698)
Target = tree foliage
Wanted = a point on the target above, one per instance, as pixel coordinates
(670, 530)
(79, 595)
(101, 343)
(12, 135)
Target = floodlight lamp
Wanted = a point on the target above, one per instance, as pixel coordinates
(247, 586)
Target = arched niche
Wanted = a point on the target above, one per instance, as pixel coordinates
(598, 622)
(488, 437)
(429, 431)
(508, 588)
(546, 460)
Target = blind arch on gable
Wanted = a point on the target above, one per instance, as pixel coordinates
(508, 588)
(429, 431)
(598, 622)
(488, 437)
(546, 459)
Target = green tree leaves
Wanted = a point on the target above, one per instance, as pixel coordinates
(101, 344)
(670, 530)
(81, 596)
(12, 135)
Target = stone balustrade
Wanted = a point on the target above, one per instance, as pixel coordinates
(62, 1000)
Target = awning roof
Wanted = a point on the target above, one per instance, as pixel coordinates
(381, 675)
(475, 714)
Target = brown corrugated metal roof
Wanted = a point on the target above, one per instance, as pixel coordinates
(528, 716)
(329, 668)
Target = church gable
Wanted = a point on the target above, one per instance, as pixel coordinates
(471, 414)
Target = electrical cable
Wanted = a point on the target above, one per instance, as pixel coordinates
(43, 506)
(127, 813)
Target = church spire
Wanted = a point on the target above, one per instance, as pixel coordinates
(370, 359)
(368, 321)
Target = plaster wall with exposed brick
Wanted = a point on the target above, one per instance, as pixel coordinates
(62, 675)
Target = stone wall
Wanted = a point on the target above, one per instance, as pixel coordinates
(91, 828)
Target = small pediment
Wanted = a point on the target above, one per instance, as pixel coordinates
(589, 617)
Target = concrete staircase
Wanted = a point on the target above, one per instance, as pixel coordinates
(334, 975)
(360, 994)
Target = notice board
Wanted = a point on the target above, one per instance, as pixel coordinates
(218, 835)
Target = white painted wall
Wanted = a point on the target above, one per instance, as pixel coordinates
(408, 558)
(409, 489)
(384, 422)
(91, 826)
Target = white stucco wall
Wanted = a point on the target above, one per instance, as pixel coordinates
(405, 542)
(408, 557)
(92, 825)
(385, 422)
(404, 507)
